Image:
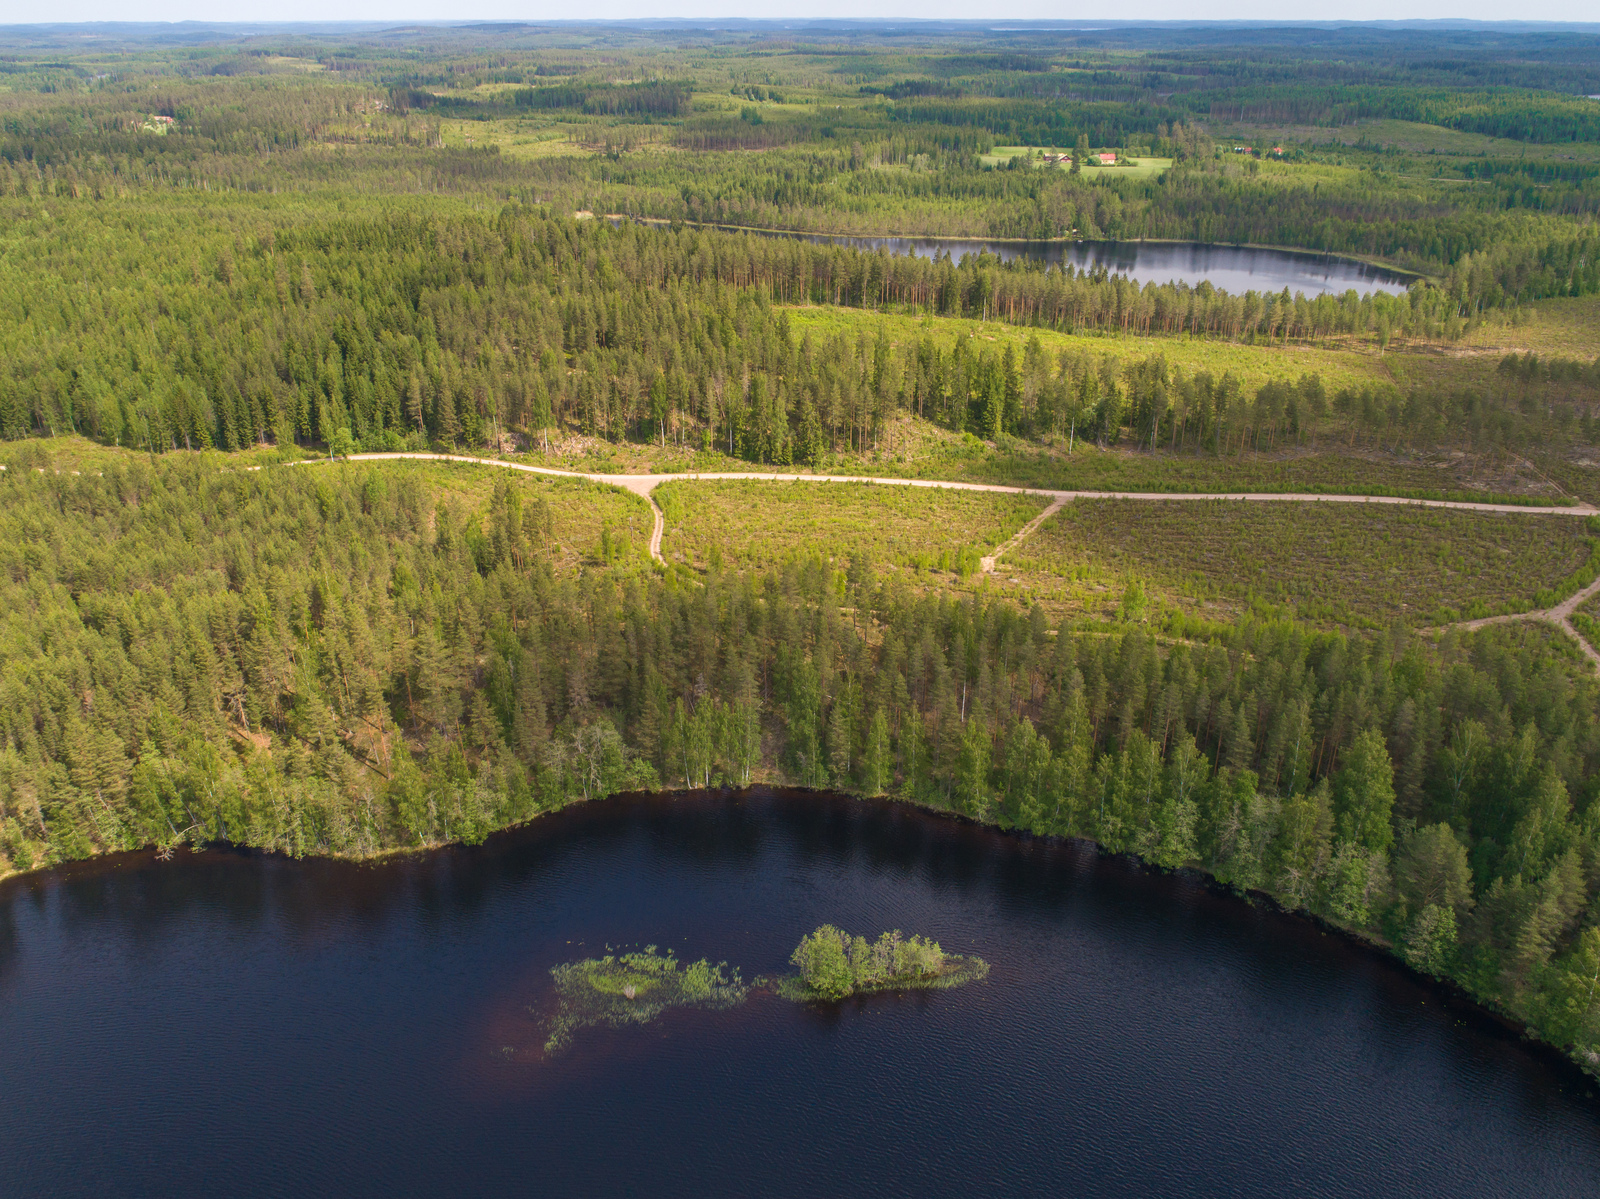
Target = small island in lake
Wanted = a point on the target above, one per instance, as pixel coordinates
(634, 988)
(835, 965)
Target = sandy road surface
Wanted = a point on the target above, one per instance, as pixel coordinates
(1560, 616)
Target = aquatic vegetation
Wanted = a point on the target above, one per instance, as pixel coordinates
(635, 988)
(835, 965)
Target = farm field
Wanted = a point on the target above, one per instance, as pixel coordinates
(1328, 565)
(1138, 166)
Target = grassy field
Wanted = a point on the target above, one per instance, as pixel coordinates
(1329, 471)
(1254, 365)
(1567, 327)
(515, 139)
(1412, 137)
(1137, 168)
(530, 138)
(917, 449)
(754, 524)
(1329, 565)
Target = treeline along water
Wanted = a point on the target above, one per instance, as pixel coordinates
(352, 660)
(1235, 269)
(322, 1027)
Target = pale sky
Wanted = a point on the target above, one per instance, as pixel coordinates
(30, 11)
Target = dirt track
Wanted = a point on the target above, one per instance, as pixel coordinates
(644, 485)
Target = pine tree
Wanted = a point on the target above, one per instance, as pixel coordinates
(1363, 793)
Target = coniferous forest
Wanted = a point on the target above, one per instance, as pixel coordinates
(234, 264)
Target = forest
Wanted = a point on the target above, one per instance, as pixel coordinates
(408, 329)
(229, 265)
(349, 659)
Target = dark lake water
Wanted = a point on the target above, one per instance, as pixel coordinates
(237, 1024)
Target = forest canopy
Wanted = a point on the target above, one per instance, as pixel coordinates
(230, 264)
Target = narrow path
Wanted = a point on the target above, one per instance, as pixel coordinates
(988, 563)
(1560, 616)
(1589, 651)
(640, 489)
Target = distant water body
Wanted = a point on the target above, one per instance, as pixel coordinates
(230, 1023)
(1235, 269)
(1229, 268)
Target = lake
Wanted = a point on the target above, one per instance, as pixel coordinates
(1229, 268)
(242, 1024)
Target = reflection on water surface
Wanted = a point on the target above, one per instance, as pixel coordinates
(303, 1027)
(1235, 269)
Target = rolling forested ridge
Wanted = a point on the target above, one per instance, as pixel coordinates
(231, 265)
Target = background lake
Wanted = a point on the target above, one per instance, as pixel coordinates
(1235, 269)
(240, 1024)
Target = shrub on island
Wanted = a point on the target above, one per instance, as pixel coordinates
(834, 964)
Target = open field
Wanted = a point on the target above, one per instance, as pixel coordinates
(1137, 168)
(1332, 471)
(1329, 565)
(756, 525)
(1142, 167)
(536, 138)
(917, 449)
(1410, 136)
(1254, 365)
(515, 139)
(1568, 327)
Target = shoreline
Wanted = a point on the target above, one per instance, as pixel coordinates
(1409, 274)
(1452, 993)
